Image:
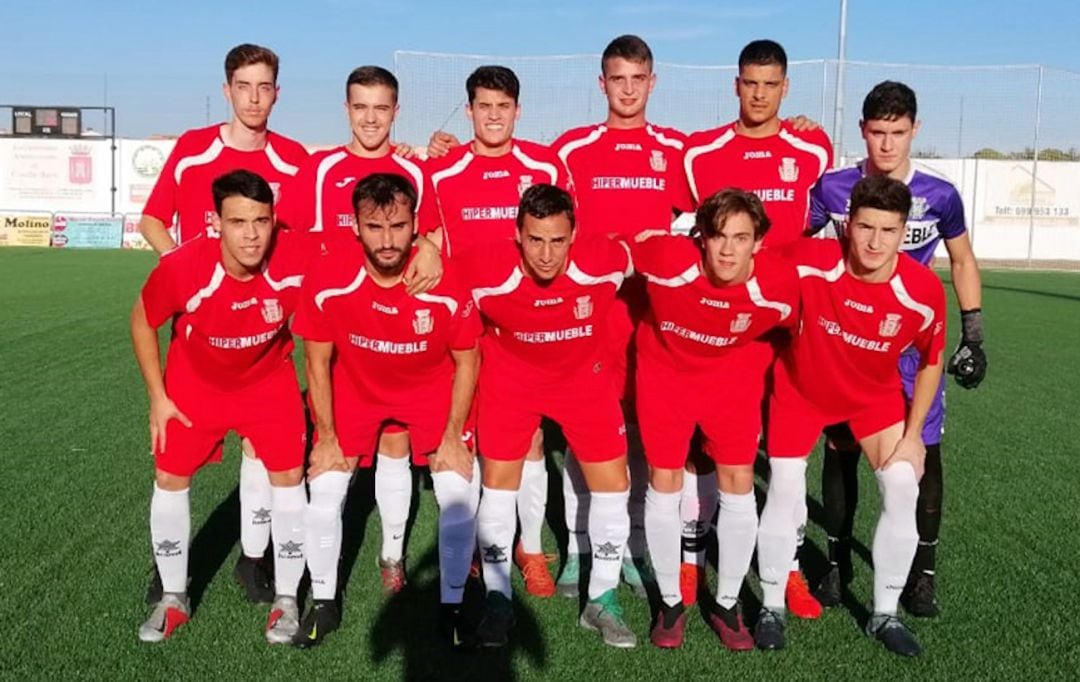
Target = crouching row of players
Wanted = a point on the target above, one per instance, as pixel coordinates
(391, 372)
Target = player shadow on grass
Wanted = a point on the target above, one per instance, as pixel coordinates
(211, 546)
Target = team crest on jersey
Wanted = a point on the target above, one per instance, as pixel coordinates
(524, 183)
(424, 323)
(789, 172)
(583, 307)
(271, 311)
(658, 162)
(890, 326)
(741, 323)
(918, 208)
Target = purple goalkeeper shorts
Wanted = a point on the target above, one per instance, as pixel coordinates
(935, 418)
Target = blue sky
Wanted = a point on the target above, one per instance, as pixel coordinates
(157, 62)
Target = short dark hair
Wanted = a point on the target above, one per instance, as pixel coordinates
(371, 75)
(383, 190)
(544, 201)
(714, 212)
(763, 53)
(881, 192)
(248, 54)
(629, 47)
(493, 77)
(889, 100)
(241, 183)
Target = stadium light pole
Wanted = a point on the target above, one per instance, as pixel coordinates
(838, 113)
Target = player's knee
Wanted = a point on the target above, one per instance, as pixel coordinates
(457, 498)
(607, 477)
(899, 489)
(737, 480)
(289, 477)
(171, 482)
(666, 480)
(395, 445)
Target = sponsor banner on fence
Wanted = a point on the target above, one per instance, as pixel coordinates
(133, 239)
(55, 175)
(87, 231)
(139, 165)
(25, 229)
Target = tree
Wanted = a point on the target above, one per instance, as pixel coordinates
(989, 153)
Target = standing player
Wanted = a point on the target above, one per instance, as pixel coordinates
(229, 296)
(863, 303)
(183, 190)
(711, 299)
(479, 186)
(889, 125)
(773, 159)
(628, 177)
(397, 359)
(543, 300)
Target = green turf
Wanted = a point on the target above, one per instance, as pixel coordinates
(76, 484)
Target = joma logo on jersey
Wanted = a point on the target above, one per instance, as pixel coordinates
(424, 323)
(240, 305)
(741, 323)
(385, 309)
(890, 326)
(583, 307)
(628, 147)
(271, 311)
(493, 175)
(524, 183)
(861, 307)
(540, 303)
(789, 172)
(341, 184)
(757, 154)
(658, 162)
(713, 303)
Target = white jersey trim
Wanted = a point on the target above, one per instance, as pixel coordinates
(689, 276)
(910, 303)
(320, 177)
(663, 139)
(279, 284)
(754, 289)
(694, 152)
(207, 291)
(583, 278)
(570, 147)
(279, 163)
(418, 178)
(208, 155)
(828, 275)
(802, 145)
(512, 282)
(532, 163)
(453, 170)
(320, 298)
(447, 301)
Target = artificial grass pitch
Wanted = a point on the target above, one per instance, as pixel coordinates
(77, 481)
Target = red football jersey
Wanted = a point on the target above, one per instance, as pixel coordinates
(553, 329)
(394, 348)
(780, 169)
(199, 157)
(319, 198)
(227, 332)
(479, 195)
(627, 180)
(851, 333)
(691, 321)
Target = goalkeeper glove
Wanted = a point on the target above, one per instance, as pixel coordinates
(968, 364)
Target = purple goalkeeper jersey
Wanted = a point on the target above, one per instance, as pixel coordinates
(936, 209)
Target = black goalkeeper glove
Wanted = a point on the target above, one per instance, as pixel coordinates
(968, 363)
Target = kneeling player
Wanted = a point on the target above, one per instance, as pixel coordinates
(701, 362)
(545, 300)
(863, 303)
(407, 361)
(229, 297)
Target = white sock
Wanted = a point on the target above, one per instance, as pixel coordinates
(662, 533)
(458, 500)
(575, 506)
(322, 522)
(255, 507)
(736, 534)
(609, 529)
(801, 515)
(288, 531)
(776, 533)
(532, 504)
(170, 535)
(393, 495)
(638, 470)
(495, 535)
(696, 511)
(896, 537)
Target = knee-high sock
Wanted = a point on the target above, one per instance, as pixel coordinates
(896, 536)
(575, 506)
(638, 470)
(495, 535)
(393, 495)
(322, 521)
(289, 536)
(928, 511)
(696, 511)
(777, 531)
(458, 500)
(736, 534)
(532, 504)
(255, 507)
(839, 498)
(609, 529)
(801, 515)
(170, 535)
(662, 532)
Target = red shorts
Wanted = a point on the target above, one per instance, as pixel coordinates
(724, 402)
(795, 423)
(585, 405)
(270, 413)
(360, 422)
